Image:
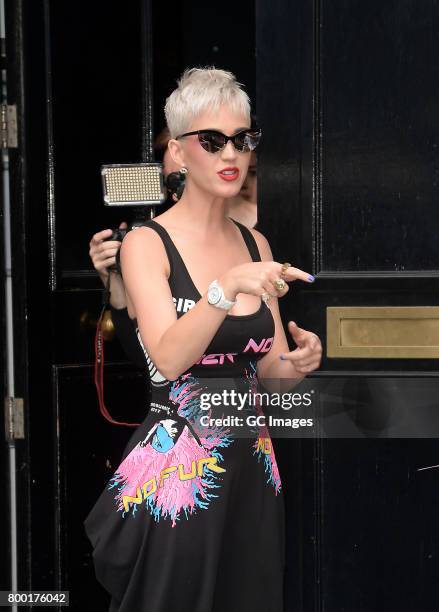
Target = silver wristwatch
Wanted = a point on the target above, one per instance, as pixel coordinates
(216, 297)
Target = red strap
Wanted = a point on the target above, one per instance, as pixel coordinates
(99, 374)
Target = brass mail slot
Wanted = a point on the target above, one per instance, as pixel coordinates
(387, 332)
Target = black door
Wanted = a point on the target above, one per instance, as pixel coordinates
(348, 190)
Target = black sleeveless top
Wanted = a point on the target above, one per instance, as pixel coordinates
(192, 519)
(126, 328)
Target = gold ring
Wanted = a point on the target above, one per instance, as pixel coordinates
(285, 267)
(265, 297)
(279, 284)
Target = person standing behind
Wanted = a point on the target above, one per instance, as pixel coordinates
(244, 206)
(103, 256)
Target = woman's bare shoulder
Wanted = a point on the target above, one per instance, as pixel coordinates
(145, 270)
(144, 243)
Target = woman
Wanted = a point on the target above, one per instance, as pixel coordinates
(193, 518)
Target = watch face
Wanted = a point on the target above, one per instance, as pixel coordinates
(214, 295)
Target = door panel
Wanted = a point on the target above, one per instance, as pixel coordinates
(377, 65)
(96, 107)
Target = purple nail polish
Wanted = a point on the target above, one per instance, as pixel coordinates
(282, 357)
(311, 278)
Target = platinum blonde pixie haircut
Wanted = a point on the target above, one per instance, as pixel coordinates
(201, 89)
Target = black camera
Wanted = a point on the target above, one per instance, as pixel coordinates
(118, 234)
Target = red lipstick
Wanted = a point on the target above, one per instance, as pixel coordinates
(229, 174)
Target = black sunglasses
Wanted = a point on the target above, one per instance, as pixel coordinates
(213, 141)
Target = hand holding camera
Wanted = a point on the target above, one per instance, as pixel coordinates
(104, 246)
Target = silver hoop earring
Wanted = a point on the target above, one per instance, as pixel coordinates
(183, 170)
